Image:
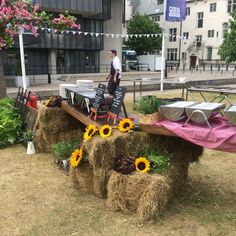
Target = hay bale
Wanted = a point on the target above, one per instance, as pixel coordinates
(103, 152)
(83, 177)
(139, 193)
(53, 125)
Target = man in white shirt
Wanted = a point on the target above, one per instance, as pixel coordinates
(115, 73)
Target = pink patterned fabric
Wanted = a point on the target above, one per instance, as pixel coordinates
(222, 136)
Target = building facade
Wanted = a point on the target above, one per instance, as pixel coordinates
(69, 53)
(199, 37)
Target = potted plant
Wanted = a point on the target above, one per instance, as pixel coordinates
(28, 137)
(62, 151)
(148, 108)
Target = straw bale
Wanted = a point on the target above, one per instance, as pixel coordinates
(103, 152)
(53, 125)
(139, 193)
(83, 177)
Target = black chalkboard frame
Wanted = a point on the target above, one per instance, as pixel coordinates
(94, 109)
(117, 103)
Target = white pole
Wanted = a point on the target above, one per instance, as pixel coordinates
(22, 58)
(163, 47)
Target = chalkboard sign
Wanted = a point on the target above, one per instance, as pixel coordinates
(99, 97)
(118, 100)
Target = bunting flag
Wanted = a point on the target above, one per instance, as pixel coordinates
(111, 35)
(175, 10)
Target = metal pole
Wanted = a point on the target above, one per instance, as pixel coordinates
(22, 58)
(163, 47)
(180, 39)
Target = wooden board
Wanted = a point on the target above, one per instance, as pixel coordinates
(156, 130)
(83, 118)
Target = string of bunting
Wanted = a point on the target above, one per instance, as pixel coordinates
(113, 35)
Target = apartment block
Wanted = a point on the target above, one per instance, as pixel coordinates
(199, 37)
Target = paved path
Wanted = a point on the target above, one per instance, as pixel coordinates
(52, 89)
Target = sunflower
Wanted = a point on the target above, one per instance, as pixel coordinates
(76, 157)
(105, 131)
(90, 131)
(142, 164)
(125, 125)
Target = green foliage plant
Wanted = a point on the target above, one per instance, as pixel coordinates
(64, 149)
(160, 162)
(149, 104)
(10, 123)
(228, 48)
(28, 136)
(143, 24)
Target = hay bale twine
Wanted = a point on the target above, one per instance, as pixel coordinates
(139, 193)
(83, 177)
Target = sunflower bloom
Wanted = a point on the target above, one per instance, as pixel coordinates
(125, 125)
(142, 165)
(90, 131)
(105, 131)
(76, 157)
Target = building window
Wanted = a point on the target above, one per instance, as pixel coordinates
(209, 53)
(187, 11)
(184, 56)
(212, 7)
(172, 54)
(198, 40)
(156, 18)
(225, 29)
(231, 5)
(186, 35)
(211, 33)
(200, 19)
(173, 33)
(159, 2)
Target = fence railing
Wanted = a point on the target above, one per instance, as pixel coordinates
(13, 70)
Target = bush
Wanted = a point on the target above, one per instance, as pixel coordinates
(149, 104)
(64, 149)
(10, 123)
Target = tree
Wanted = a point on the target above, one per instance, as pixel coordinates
(143, 25)
(15, 14)
(228, 48)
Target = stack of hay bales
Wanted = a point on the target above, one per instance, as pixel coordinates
(54, 125)
(145, 194)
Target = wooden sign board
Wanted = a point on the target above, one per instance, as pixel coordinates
(117, 102)
(98, 100)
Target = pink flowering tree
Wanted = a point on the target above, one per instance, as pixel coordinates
(15, 14)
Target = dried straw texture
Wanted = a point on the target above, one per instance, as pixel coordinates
(83, 177)
(54, 125)
(103, 152)
(182, 153)
(139, 193)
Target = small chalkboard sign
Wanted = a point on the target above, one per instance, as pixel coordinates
(99, 98)
(117, 102)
